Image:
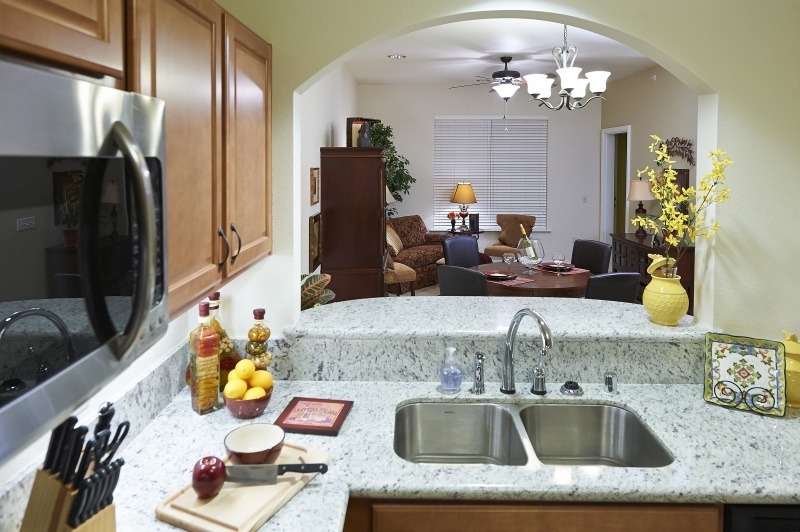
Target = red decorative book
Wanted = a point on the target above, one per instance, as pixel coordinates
(306, 415)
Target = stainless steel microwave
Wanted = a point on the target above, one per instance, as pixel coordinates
(83, 267)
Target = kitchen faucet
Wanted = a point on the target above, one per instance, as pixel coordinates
(538, 387)
(44, 313)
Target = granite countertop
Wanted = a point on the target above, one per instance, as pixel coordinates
(721, 455)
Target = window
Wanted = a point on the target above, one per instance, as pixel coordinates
(505, 160)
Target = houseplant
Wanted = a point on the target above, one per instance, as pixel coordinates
(398, 179)
(68, 210)
(313, 292)
(681, 220)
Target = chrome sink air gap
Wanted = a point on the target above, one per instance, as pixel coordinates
(569, 434)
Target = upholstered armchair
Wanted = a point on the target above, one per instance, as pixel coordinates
(411, 244)
(510, 233)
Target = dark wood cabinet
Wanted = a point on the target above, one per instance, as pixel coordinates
(629, 254)
(353, 221)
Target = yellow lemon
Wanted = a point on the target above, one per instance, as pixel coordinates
(235, 389)
(245, 368)
(254, 393)
(233, 376)
(261, 378)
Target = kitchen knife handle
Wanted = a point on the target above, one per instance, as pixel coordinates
(79, 502)
(83, 467)
(56, 439)
(104, 419)
(59, 454)
(302, 468)
(75, 452)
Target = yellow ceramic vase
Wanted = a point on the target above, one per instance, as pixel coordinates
(664, 298)
(792, 369)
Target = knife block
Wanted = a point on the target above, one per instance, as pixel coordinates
(49, 507)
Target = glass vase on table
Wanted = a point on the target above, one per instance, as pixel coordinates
(529, 253)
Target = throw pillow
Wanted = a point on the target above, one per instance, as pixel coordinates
(510, 235)
(394, 242)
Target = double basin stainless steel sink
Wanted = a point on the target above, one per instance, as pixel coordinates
(516, 434)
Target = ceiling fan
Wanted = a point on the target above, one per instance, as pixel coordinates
(503, 80)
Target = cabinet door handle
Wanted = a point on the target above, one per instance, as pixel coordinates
(221, 233)
(239, 238)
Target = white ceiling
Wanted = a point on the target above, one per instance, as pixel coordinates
(456, 53)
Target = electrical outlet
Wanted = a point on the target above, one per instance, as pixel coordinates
(23, 224)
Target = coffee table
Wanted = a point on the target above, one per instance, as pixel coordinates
(543, 284)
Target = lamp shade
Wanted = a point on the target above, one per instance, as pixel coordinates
(640, 191)
(110, 193)
(389, 197)
(463, 194)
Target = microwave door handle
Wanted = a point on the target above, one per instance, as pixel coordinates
(120, 139)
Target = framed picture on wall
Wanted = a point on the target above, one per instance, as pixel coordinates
(313, 242)
(314, 184)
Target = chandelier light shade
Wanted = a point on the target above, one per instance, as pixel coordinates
(389, 196)
(640, 191)
(572, 87)
(505, 89)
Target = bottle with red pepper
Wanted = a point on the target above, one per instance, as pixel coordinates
(204, 364)
(228, 356)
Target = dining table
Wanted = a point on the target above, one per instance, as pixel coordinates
(539, 282)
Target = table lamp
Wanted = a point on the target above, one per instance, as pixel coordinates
(640, 191)
(463, 194)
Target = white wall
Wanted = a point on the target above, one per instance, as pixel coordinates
(663, 106)
(573, 168)
(325, 108)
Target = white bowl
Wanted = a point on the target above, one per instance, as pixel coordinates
(258, 443)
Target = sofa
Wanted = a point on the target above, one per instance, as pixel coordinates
(410, 243)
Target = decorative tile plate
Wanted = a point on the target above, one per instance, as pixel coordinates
(745, 373)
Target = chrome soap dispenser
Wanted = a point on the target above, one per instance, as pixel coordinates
(450, 373)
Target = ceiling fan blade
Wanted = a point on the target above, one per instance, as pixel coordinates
(472, 84)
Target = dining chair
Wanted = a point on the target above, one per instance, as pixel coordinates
(617, 286)
(591, 255)
(458, 281)
(461, 251)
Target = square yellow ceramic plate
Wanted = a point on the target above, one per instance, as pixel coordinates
(745, 373)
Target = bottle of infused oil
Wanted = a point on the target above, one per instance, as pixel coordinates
(257, 338)
(228, 355)
(204, 364)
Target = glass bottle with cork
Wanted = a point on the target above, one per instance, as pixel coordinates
(204, 363)
(228, 355)
(257, 337)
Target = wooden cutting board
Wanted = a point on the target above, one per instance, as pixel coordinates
(238, 507)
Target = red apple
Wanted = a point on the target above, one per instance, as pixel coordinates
(208, 476)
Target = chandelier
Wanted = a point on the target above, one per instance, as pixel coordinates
(573, 88)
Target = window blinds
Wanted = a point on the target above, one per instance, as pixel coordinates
(505, 160)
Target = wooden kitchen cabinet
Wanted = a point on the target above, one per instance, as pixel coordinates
(214, 75)
(364, 515)
(247, 140)
(353, 221)
(629, 254)
(87, 36)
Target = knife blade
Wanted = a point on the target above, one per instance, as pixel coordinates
(268, 474)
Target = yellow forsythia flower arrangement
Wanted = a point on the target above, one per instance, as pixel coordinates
(682, 216)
